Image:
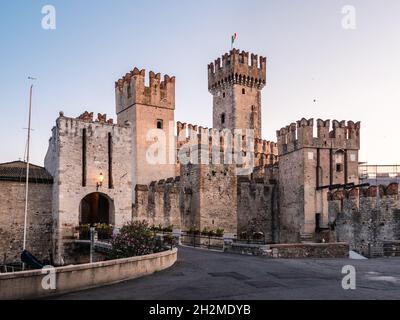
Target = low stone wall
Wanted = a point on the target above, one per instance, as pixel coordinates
(248, 249)
(28, 284)
(310, 250)
(291, 251)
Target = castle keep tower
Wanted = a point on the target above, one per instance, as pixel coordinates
(308, 167)
(236, 88)
(148, 109)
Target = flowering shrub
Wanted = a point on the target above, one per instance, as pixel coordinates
(134, 239)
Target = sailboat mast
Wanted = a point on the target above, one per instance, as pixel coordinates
(27, 165)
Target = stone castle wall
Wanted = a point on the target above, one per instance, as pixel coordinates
(366, 218)
(39, 220)
(308, 164)
(236, 88)
(158, 203)
(64, 162)
(212, 197)
(150, 112)
(258, 208)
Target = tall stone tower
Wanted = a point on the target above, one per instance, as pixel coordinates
(308, 167)
(149, 109)
(236, 88)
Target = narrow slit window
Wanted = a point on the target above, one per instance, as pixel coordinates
(84, 158)
(223, 118)
(160, 124)
(110, 161)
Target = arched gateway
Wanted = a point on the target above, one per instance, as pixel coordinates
(96, 208)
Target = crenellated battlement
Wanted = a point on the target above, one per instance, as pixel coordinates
(342, 135)
(371, 192)
(265, 152)
(236, 68)
(101, 118)
(366, 218)
(98, 128)
(158, 202)
(131, 89)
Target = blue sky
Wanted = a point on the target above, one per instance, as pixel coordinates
(353, 74)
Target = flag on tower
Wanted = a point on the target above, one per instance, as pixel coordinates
(234, 36)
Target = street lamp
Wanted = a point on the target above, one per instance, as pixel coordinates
(100, 181)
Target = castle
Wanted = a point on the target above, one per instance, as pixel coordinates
(144, 167)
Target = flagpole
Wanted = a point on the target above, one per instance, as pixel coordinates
(27, 163)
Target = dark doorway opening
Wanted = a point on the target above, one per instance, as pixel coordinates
(318, 222)
(95, 208)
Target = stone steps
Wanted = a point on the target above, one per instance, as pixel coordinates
(307, 238)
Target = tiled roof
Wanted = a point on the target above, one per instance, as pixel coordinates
(16, 171)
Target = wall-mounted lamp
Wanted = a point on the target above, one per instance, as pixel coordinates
(100, 182)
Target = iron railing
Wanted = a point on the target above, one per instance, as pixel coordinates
(202, 241)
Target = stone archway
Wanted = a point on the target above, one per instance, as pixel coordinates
(96, 208)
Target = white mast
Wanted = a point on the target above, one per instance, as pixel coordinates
(27, 162)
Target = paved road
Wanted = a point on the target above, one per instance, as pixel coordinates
(201, 274)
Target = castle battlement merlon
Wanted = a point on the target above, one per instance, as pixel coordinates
(366, 192)
(201, 138)
(342, 135)
(131, 89)
(101, 118)
(365, 198)
(235, 69)
(88, 119)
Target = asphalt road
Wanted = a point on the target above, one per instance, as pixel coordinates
(202, 274)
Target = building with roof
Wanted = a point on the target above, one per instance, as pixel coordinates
(12, 210)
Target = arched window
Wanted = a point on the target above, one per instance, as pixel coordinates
(160, 124)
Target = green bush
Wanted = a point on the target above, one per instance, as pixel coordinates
(135, 239)
(212, 233)
(205, 232)
(104, 231)
(193, 231)
(84, 231)
(169, 239)
(170, 228)
(220, 232)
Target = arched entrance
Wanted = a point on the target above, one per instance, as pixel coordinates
(96, 208)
